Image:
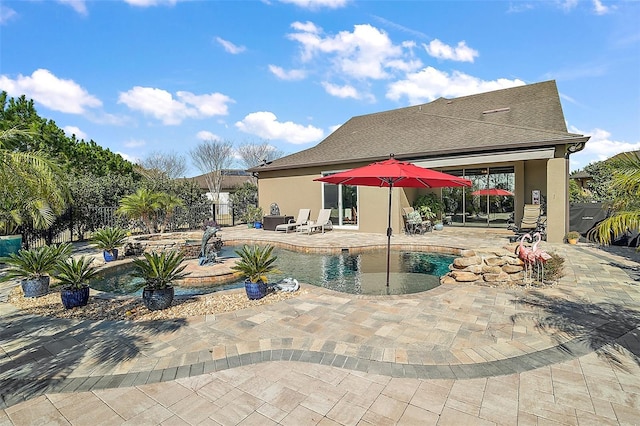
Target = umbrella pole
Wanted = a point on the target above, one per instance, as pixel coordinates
(389, 232)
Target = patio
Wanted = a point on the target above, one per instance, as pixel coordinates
(458, 354)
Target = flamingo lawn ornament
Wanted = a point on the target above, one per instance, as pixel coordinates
(526, 255)
(541, 256)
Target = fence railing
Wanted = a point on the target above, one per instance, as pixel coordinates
(79, 225)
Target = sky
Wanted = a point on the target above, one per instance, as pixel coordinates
(161, 76)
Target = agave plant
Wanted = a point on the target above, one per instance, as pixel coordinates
(160, 270)
(75, 273)
(255, 262)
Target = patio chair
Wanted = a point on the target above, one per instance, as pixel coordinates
(303, 218)
(413, 223)
(532, 221)
(322, 223)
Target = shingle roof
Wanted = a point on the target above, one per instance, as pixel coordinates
(517, 118)
(229, 182)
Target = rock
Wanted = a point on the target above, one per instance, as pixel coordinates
(467, 253)
(448, 280)
(488, 269)
(464, 277)
(512, 269)
(463, 262)
(494, 278)
(495, 261)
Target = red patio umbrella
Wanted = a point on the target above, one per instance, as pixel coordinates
(493, 192)
(390, 173)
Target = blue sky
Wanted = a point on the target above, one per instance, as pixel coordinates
(143, 76)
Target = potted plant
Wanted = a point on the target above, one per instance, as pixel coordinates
(573, 237)
(159, 271)
(254, 216)
(426, 213)
(108, 239)
(438, 225)
(34, 267)
(74, 275)
(254, 264)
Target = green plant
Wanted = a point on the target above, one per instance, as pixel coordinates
(74, 273)
(255, 262)
(426, 213)
(109, 238)
(160, 270)
(430, 200)
(573, 235)
(35, 263)
(253, 214)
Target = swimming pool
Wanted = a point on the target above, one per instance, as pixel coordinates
(353, 273)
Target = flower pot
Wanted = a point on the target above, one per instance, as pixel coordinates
(257, 225)
(438, 227)
(74, 297)
(255, 290)
(572, 241)
(35, 287)
(10, 244)
(156, 299)
(110, 256)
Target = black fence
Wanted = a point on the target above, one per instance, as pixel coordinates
(79, 225)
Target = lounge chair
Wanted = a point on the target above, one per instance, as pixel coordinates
(531, 222)
(322, 223)
(303, 218)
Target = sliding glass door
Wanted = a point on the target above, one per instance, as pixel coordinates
(343, 202)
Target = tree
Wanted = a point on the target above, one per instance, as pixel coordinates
(254, 154)
(33, 186)
(212, 158)
(142, 205)
(159, 165)
(625, 184)
(243, 198)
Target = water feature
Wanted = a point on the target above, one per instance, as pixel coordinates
(353, 273)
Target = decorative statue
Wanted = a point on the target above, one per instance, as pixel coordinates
(274, 209)
(209, 254)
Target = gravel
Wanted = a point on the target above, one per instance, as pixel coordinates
(132, 308)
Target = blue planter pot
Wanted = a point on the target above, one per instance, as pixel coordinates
(255, 290)
(110, 257)
(35, 287)
(72, 297)
(156, 299)
(257, 225)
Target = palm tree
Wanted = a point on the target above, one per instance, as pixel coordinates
(33, 186)
(143, 205)
(168, 204)
(625, 184)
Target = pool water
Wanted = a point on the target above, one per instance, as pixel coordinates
(357, 273)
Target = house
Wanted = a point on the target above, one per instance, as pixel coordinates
(514, 139)
(232, 180)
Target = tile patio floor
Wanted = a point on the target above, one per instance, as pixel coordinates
(456, 355)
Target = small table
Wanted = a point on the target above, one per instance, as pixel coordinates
(270, 222)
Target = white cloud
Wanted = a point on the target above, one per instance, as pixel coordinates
(204, 135)
(172, 111)
(54, 93)
(79, 6)
(599, 147)
(6, 14)
(599, 8)
(230, 47)
(317, 4)
(367, 52)
(134, 160)
(430, 83)
(290, 75)
(461, 52)
(73, 130)
(134, 143)
(345, 91)
(266, 125)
